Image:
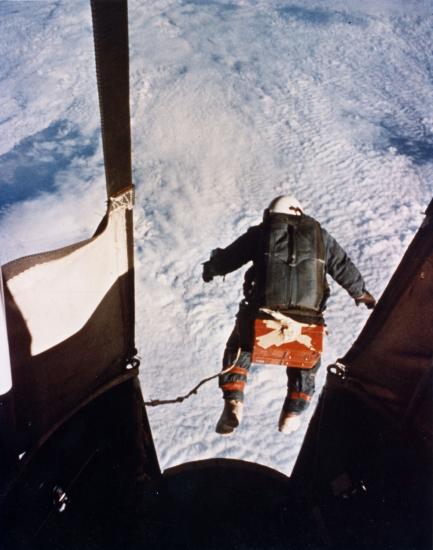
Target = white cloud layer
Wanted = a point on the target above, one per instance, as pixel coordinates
(230, 102)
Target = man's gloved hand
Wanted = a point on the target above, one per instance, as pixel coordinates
(210, 268)
(367, 299)
(207, 274)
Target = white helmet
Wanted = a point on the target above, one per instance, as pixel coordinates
(285, 205)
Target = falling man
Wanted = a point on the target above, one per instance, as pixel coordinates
(280, 320)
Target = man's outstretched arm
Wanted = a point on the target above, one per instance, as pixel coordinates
(344, 272)
(238, 253)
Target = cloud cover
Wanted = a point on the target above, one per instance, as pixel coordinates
(232, 103)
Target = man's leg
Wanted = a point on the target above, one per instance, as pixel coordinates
(237, 353)
(300, 390)
(233, 382)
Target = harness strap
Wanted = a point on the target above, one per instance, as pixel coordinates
(110, 31)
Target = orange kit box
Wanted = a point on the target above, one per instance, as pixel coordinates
(281, 340)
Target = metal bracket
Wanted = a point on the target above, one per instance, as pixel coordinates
(339, 370)
(132, 362)
(60, 499)
(124, 201)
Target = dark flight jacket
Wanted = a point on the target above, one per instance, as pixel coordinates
(291, 256)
